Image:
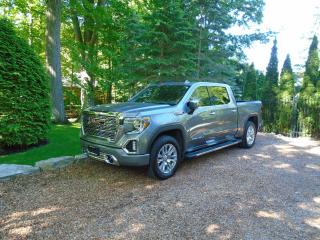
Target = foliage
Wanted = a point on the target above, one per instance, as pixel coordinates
(29, 18)
(63, 141)
(285, 98)
(250, 86)
(270, 88)
(310, 94)
(24, 108)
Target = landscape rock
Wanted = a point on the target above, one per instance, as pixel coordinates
(11, 170)
(55, 163)
(80, 158)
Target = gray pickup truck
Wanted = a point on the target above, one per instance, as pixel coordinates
(168, 122)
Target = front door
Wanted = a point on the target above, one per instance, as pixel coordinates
(200, 121)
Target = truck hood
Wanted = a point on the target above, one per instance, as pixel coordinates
(129, 108)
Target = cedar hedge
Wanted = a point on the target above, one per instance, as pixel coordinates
(24, 92)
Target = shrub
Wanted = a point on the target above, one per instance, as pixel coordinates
(24, 92)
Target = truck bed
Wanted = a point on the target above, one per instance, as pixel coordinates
(247, 108)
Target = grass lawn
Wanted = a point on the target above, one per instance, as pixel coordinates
(63, 141)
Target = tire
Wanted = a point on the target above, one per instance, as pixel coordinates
(164, 158)
(249, 135)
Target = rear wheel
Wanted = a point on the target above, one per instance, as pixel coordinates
(249, 135)
(164, 158)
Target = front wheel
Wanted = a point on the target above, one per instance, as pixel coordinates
(249, 135)
(164, 158)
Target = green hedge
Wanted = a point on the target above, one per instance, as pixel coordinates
(24, 91)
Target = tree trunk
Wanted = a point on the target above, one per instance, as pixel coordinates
(53, 15)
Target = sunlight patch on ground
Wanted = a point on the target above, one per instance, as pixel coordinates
(212, 228)
(314, 150)
(263, 156)
(317, 199)
(43, 211)
(301, 141)
(137, 227)
(285, 149)
(285, 166)
(313, 222)
(313, 166)
(179, 204)
(269, 214)
(21, 231)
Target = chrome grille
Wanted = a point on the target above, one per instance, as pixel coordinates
(103, 125)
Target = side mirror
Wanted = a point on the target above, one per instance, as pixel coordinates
(192, 106)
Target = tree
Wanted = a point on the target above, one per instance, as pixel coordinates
(309, 98)
(311, 75)
(285, 98)
(250, 85)
(24, 92)
(53, 59)
(286, 83)
(29, 18)
(169, 44)
(216, 46)
(270, 88)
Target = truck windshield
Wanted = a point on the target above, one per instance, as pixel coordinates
(166, 94)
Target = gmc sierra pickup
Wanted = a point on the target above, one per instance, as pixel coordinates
(168, 122)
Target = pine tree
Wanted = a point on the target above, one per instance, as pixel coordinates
(250, 85)
(169, 43)
(286, 84)
(272, 69)
(270, 87)
(285, 98)
(309, 98)
(311, 75)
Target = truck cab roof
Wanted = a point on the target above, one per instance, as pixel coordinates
(188, 83)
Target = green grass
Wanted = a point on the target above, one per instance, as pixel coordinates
(63, 141)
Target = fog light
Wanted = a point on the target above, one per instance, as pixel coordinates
(131, 146)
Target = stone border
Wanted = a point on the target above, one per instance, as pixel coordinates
(8, 171)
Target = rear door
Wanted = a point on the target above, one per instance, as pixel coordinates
(224, 115)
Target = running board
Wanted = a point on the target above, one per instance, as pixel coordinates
(210, 149)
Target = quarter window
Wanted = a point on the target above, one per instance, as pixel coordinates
(218, 95)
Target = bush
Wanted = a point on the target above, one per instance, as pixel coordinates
(24, 92)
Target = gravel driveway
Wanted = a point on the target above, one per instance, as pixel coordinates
(271, 191)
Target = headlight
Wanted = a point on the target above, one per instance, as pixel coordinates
(136, 125)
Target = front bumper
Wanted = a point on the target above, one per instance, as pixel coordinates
(115, 156)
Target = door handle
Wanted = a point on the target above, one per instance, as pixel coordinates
(212, 113)
(234, 110)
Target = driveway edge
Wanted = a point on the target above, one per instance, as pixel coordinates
(9, 171)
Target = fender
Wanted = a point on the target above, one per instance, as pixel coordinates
(246, 120)
(169, 127)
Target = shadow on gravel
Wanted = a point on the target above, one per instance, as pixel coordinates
(271, 191)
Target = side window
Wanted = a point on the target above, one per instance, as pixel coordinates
(201, 96)
(219, 95)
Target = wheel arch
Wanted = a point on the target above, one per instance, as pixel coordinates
(253, 118)
(176, 131)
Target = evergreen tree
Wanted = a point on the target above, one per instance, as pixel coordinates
(309, 95)
(286, 83)
(285, 98)
(269, 95)
(250, 86)
(169, 43)
(311, 75)
(272, 73)
(261, 78)
(24, 92)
